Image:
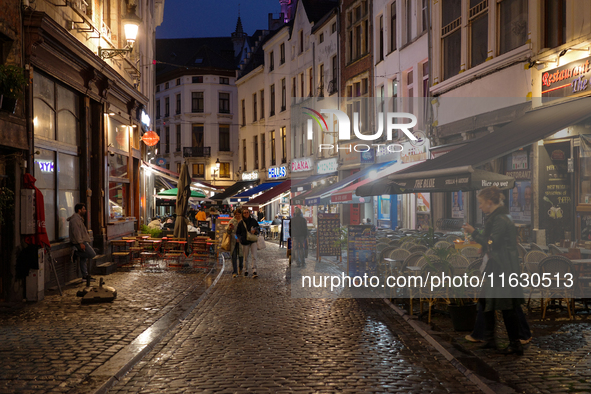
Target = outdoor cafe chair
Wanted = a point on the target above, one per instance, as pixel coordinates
(399, 255)
(436, 295)
(452, 238)
(407, 245)
(553, 250)
(470, 252)
(443, 244)
(459, 263)
(536, 247)
(530, 266)
(559, 288)
(522, 251)
(417, 248)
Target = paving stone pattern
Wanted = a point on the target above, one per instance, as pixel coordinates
(250, 336)
(53, 345)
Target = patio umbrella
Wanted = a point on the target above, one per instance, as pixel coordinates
(182, 203)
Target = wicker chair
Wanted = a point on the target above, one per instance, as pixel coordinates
(443, 244)
(395, 242)
(470, 252)
(452, 238)
(559, 289)
(530, 266)
(537, 247)
(459, 263)
(384, 240)
(400, 256)
(553, 249)
(381, 246)
(437, 295)
(385, 252)
(430, 252)
(407, 245)
(417, 248)
(522, 251)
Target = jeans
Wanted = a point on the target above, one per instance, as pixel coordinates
(298, 249)
(480, 324)
(235, 257)
(84, 255)
(247, 250)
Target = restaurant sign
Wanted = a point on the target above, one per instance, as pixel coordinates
(327, 166)
(304, 164)
(566, 80)
(277, 172)
(250, 176)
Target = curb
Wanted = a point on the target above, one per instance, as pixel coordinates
(448, 356)
(121, 372)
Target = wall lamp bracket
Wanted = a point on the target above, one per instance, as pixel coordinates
(111, 53)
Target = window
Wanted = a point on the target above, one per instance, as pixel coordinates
(335, 66)
(157, 109)
(178, 168)
(272, 112)
(301, 41)
(197, 102)
(244, 155)
(357, 35)
(157, 88)
(381, 40)
(451, 20)
(263, 153)
(283, 145)
(424, 15)
(224, 170)
(224, 81)
(118, 194)
(167, 107)
(426, 79)
(197, 79)
(394, 96)
(513, 24)
(283, 95)
(224, 101)
(302, 93)
(310, 83)
(393, 26)
(478, 17)
(197, 135)
(178, 104)
(333, 28)
(199, 170)
(256, 152)
(408, 14)
(57, 113)
(254, 107)
(554, 23)
(293, 87)
(271, 61)
(321, 38)
(273, 153)
(224, 137)
(178, 81)
(282, 53)
(243, 106)
(321, 81)
(167, 140)
(381, 99)
(166, 85)
(262, 104)
(410, 90)
(178, 138)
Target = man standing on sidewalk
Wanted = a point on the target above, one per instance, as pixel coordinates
(246, 226)
(299, 235)
(80, 238)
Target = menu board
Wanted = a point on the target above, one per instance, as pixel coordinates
(285, 229)
(361, 250)
(328, 234)
(221, 225)
(555, 201)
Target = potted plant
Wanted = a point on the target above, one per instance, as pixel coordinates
(12, 85)
(462, 310)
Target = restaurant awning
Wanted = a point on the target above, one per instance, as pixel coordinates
(172, 176)
(322, 196)
(304, 198)
(457, 170)
(305, 184)
(247, 194)
(173, 193)
(232, 190)
(269, 196)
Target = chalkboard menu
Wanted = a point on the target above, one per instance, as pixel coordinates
(328, 234)
(221, 225)
(361, 251)
(555, 201)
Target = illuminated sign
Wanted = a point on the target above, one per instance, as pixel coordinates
(304, 164)
(327, 166)
(566, 80)
(277, 172)
(145, 118)
(250, 176)
(45, 166)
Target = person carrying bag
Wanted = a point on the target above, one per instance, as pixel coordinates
(246, 233)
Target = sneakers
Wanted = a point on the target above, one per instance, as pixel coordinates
(234, 275)
(245, 273)
(472, 339)
(525, 341)
(254, 275)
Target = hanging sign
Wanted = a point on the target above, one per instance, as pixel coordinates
(250, 176)
(304, 164)
(277, 172)
(327, 166)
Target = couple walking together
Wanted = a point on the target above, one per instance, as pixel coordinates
(240, 247)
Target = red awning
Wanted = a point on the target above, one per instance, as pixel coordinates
(269, 196)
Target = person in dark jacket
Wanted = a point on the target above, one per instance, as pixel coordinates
(499, 241)
(248, 225)
(80, 238)
(299, 235)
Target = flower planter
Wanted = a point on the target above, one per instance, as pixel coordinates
(463, 317)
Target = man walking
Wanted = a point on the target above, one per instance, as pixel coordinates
(80, 238)
(247, 226)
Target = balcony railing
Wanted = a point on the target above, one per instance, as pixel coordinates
(197, 151)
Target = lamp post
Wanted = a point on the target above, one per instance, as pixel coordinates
(131, 23)
(215, 169)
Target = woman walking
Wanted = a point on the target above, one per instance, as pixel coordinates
(499, 242)
(235, 247)
(248, 226)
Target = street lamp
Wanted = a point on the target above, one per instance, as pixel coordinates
(215, 169)
(131, 23)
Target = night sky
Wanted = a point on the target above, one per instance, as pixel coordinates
(207, 18)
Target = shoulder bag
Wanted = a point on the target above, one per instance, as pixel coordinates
(249, 236)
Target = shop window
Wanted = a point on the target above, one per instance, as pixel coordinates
(117, 165)
(118, 200)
